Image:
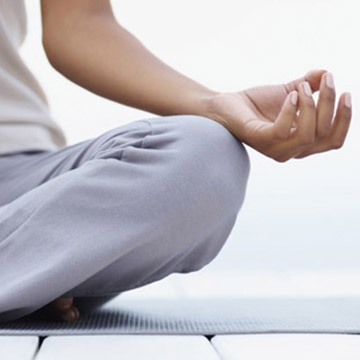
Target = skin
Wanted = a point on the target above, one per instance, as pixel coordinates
(266, 119)
(63, 309)
(85, 43)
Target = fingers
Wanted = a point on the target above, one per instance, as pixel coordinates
(326, 105)
(342, 121)
(305, 133)
(286, 117)
(339, 129)
(313, 77)
(301, 127)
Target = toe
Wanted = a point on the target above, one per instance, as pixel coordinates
(62, 303)
(71, 314)
(77, 312)
(68, 315)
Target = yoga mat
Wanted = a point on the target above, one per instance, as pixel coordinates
(202, 316)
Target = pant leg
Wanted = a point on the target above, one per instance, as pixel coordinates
(114, 215)
(23, 171)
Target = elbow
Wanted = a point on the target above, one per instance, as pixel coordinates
(57, 25)
(57, 39)
(53, 38)
(49, 50)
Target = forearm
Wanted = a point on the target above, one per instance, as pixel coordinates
(100, 55)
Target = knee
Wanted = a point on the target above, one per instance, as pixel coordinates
(215, 157)
(212, 173)
(194, 176)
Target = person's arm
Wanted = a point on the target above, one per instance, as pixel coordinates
(85, 43)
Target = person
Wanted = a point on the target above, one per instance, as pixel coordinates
(143, 200)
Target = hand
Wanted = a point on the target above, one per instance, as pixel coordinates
(283, 121)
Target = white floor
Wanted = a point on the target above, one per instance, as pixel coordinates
(229, 347)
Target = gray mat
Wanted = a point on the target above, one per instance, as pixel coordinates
(202, 316)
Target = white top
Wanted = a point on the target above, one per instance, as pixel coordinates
(25, 119)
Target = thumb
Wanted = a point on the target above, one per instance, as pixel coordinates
(312, 76)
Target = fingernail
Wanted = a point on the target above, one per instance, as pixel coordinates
(329, 80)
(294, 98)
(348, 100)
(307, 89)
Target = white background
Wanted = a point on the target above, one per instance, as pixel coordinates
(300, 215)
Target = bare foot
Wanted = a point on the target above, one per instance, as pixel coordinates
(63, 308)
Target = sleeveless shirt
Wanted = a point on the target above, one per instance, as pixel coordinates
(25, 119)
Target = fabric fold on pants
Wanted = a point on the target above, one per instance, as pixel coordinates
(118, 211)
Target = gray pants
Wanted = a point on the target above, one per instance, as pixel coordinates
(118, 211)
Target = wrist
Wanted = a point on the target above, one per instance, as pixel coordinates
(212, 105)
(203, 103)
(195, 101)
